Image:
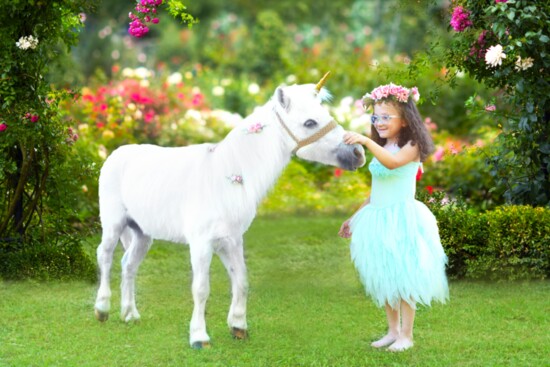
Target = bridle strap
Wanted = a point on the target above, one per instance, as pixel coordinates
(310, 139)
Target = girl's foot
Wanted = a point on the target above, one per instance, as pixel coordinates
(402, 343)
(385, 341)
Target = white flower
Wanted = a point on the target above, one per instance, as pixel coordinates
(27, 42)
(218, 91)
(291, 79)
(494, 56)
(142, 73)
(524, 64)
(174, 78)
(128, 73)
(253, 88)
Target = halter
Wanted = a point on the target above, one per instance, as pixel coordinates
(310, 139)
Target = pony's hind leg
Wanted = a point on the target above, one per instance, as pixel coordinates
(109, 240)
(232, 255)
(131, 260)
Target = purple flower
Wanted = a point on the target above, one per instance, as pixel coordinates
(459, 19)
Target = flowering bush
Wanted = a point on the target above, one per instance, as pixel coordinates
(147, 13)
(40, 172)
(505, 47)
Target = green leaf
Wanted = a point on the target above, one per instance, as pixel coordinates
(544, 38)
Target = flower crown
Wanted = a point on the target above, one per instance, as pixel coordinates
(392, 91)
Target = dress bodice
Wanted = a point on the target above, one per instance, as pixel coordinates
(390, 186)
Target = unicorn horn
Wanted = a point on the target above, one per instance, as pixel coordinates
(322, 82)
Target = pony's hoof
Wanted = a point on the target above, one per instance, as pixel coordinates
(240, 334)
(101, 316)
(201, 345)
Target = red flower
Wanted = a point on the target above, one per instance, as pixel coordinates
(430, 189)
(419, 174)
(338, 172)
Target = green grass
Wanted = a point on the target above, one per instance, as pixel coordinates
(306, 308)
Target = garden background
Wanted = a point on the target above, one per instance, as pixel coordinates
(83, 86)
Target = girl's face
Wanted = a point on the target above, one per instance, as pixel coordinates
(387, 121)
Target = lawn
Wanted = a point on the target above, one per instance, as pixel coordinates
(306, 308)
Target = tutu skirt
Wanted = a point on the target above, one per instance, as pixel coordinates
(397, 252)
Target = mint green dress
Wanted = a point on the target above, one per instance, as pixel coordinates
(395, 242)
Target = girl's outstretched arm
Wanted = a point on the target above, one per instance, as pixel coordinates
(407, 154)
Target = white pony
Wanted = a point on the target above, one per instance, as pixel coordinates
(206, 196)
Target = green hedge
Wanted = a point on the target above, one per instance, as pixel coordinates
(509, 242)
(61, 258)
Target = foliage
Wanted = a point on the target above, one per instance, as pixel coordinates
(517, 244)
(40, 175)
(505, 45)
(509, 242)
(460, 168)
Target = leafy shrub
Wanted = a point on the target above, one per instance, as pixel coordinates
(509, 242)
(45, 259)
(517, 244)
(461, 230)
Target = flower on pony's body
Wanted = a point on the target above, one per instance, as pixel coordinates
(460, 19)
(392, 91)
(494, 56)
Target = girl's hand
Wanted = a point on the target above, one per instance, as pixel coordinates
(344, 231)
(351, 137)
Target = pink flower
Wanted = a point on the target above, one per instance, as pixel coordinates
(453, 149)
(149, 116)
(3, 127)
(490, 108)
(438, 155)
(401, 94)
(459, 19)
(255, 128)
(34, 118)
(500, 1)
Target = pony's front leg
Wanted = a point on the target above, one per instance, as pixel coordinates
(201, 257)
(232, 255)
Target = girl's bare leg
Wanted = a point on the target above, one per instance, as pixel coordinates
(405, 339)
(393, 328)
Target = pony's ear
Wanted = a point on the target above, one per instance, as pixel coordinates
(282, 99)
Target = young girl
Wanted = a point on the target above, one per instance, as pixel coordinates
(395, 241)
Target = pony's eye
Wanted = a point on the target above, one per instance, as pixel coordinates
(310, 123)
